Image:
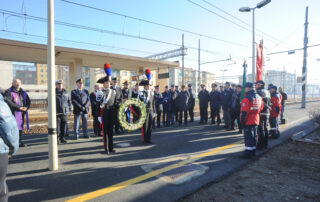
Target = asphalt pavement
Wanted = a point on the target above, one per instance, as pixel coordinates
(180, 161)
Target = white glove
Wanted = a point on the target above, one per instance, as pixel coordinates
(99, 119)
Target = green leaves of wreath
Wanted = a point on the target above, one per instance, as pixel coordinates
(123, 115)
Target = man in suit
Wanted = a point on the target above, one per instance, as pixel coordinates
(215, 104)
(173, 104)
(183, 100)
(166, 107)
(226, 96)
(191, 103)
(80, 101)
(95, 110)
(159, 106)
(204, 99)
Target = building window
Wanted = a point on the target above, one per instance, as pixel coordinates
(124, 73)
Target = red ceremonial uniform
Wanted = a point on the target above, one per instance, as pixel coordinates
(251, 106)
(275, 105)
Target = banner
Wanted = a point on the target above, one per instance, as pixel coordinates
(259, 65)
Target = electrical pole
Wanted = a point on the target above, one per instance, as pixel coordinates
(198, 86)
(183, 60)
(283, 78)
(253, 48)
(304, 67)
(294, 85)
(52, 124)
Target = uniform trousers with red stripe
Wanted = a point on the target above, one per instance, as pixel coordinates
(147, 126)
(108, 120)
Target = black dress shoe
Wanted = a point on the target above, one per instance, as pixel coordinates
(63, 141)
(22, 144)
(106, 152)
(86, 136)
(112, 151)
(118, 132)
(148, 142)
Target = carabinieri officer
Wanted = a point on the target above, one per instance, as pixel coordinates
(107, 99)
(147, 96)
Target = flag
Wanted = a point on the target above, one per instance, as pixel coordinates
(259, 64)
(244, 79)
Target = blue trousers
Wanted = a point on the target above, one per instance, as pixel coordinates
(84, 118)
(250, 141)
(274, 127)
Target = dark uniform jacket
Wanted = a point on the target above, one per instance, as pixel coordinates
(215, 99)
(149, 101)
(126, 93)
(265, 95)
(79, 99)
(158, 99)
(284, 97)
(102, 99)
(173, 100)
(23, 102)
(182, 101)
(94, 104)
(118, 96)
(204, 98)
(192, 100)
(63, 102)
(226, 96)
(235, 106)
(166, 101)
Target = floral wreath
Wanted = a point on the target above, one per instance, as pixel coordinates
(124, 114)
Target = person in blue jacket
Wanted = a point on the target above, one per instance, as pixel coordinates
(9, 143)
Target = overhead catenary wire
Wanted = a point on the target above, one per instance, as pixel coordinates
(156, 23)
(242, 21)
(105, 31)
(232, 22)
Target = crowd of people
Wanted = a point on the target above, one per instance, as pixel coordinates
(255, 113)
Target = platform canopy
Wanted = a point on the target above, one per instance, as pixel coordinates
(11, 50)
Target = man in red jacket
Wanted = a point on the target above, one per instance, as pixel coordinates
(274, 111)
(251, 106)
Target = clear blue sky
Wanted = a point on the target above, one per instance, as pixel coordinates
(279, 19)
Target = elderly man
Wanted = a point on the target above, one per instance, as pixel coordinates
(80, 100)
(19, 103)
(63, 107)
(95, 110)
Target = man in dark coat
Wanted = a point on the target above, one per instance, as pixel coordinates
(126, 92)
(204, 99)
(235, 108)
(19, 103)
(283, 101)
(80, 101)
(159, 107)
(183, 100)
(215, 104)
(166, 107)
(226, 104)
(191, 103)
(95, 111)
(147, 96)
(173, 104)
(176, 107)
(263, 131)
(63, 108)
(118, 103)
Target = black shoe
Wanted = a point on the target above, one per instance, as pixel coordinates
(191, 121)
(63, 141)
(231, 129)
(201, 122)
(247, 154)
(22, 144)
(112, 151)
(76, 138)
(118, 132)
(240, 131)
(86, 137)
(148, 142)
(106, 152)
